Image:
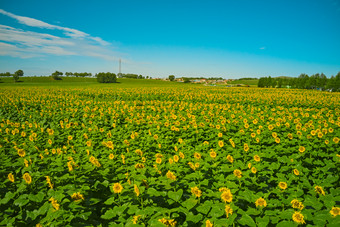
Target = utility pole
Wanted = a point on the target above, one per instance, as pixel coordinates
(120, 67)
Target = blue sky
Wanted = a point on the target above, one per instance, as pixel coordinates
(229, 39)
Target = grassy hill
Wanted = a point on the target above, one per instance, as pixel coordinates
(246, 82)
(86, 82)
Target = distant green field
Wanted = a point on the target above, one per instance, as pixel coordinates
(246, 82)
(86, 82)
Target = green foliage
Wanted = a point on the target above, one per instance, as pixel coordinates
(171, 77)
(17, 75)
(86, 139)
(57, 75)
(106, 77)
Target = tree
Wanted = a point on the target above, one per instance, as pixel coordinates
(171, 77)
(57, 75)
(106, 77)
(18, 74)
(69, 74)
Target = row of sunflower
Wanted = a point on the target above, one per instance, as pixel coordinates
(169, 157)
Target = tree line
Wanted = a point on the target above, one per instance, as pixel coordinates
(316, 81)
(16, 75)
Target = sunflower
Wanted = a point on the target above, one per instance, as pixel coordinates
(297, 204)
(335, 211)
(181, 155)
(158, 160)
(230, 158)
(302, 149)
(261, 202)
(136, 189)
(283, 185)
(238, 173)
(220, 143)
(176, 158)
(11, 177)
(171, 175)
(197, 155)
(111, 156)
(196, 192)
(213, 154)
(27, 177)
(208, 223)
(21, 153)
(226, 196)
(117, 188)
(298, 218)
(228, 210)
(54, 203)
(319, 190)
(257, 158)
(135, 219)
(246, 147)
(77, 197)
(253, 170)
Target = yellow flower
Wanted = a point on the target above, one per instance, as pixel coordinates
(230, 158)
(176, 158)
(228, 210)
(136, 189)
(135, 219)
(158, 160)
(196, 192)
(155, 137)
(27, 177)
(226, 196)
(48, 181)
(298, 217)
(253, 170)
(297, 204)
(302, 149)
(77, 197)
(54, 203)
(168, 222)
(111, 156)
(21, 153)
(238, 173)
(283, 185)
(171, 175)
(261, 202)
(213, 154)
(181, 155)
(117, 188)
(336, 140)
(296, 172)
(197, 155)
(139, 166)
(220, 143)
(70, 137)
(208, 223)
(319, 190)
(335, 211)
(246, 147)
(257, 158)
(220, 134)
(11, 177)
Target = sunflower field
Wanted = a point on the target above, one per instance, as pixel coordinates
(169, 156)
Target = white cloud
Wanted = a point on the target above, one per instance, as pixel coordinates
(26, 44)
(262, 48)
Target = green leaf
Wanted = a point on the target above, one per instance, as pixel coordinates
(194, 218)
(205, 207)
(247, 220)
(44, 208)
(109, 201)
(37, 198)
(153, 192)
(286, 224)
(8, 197)
(189, 203)
(21, 201)
(85, 215)
(175, 195)
(109, 214)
